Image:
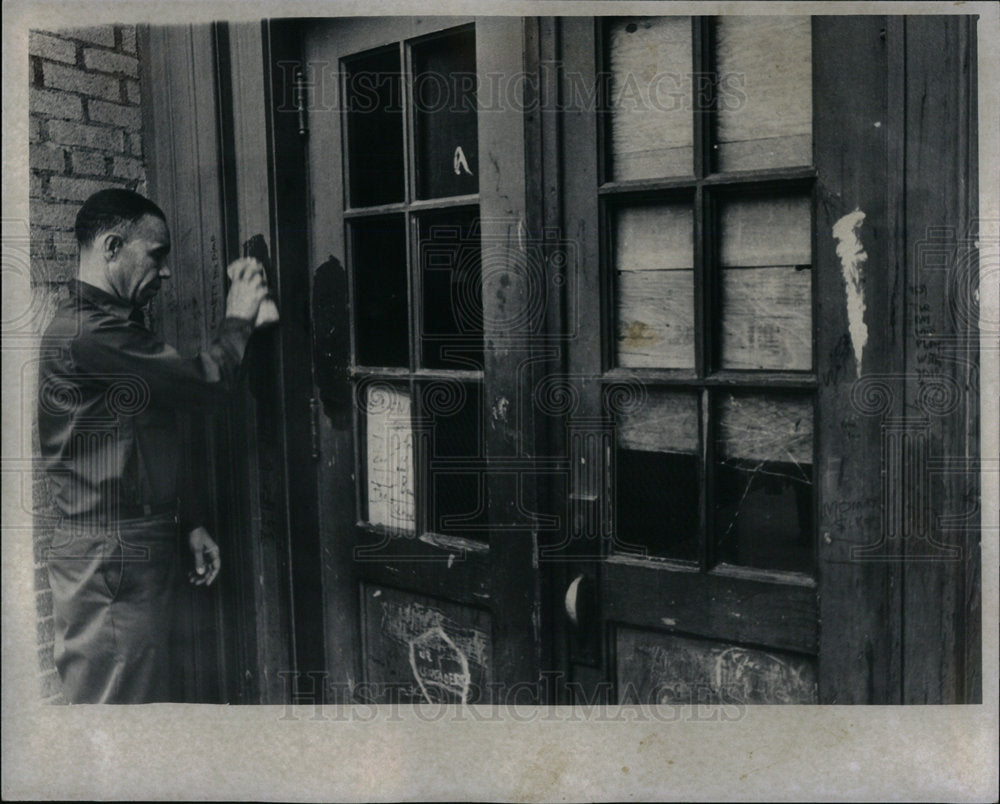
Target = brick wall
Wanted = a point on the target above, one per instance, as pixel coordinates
(85, 132)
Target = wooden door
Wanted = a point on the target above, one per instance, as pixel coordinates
(691, 572)
(417, 201)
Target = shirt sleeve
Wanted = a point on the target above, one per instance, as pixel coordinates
(120, 347)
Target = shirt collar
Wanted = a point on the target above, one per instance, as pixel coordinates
(110, 304)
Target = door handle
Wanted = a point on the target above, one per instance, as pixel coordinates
(579, 602)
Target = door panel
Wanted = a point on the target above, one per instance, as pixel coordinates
(421, 600)
(425, 649)
(695, 382)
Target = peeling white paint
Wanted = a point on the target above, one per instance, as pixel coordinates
(852, 264)
(668, 621)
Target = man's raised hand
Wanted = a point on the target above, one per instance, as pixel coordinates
(248, 288)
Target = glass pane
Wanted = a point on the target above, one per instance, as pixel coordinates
(763, 481)
(451, 420)
(649, 98)
(378, 257)
(375, 129)
(444, 105)
(389, 457)
(451, 292)
(766, 288)
(656, 476)
(654, 286)
(764, 96)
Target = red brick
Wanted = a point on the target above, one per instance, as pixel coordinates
(74, 189)
(43, 604)
(46, 157)
(36, 186)
(96, 35)
(41, 246)
(55, 216)
(51, 47)
(65, 132)
(128, 38)
(75, 80)
(34, 129)
(51, 687)
(108, 62)
(45, 659)
(54, 104)
(129, 168)
(125, 116)
(48, 271)
(89, 162)
(132, 91)
(135, 144)
(41, 579)
(45, 630)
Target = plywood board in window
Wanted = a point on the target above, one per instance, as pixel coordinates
(765, 231)
(754, 427)
(766, 318)
(654, 238)
(764, 116)
(389, 457)
(666, 422)
(655, 319)
(650, 97)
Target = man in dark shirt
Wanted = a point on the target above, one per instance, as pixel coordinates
(109, 394)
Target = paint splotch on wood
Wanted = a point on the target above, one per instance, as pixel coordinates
(425, 650)
(853, 258)
(668, 669)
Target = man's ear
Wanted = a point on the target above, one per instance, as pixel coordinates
(111, 245)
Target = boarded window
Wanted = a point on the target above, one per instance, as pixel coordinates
(653, 263)
(649, 60)
(764, 100)
(389, 457)
(766, 287)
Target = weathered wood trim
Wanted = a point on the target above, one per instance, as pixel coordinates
(749, 611)
(183, 177)
(858, 573)
(514, 582)
(940, 639)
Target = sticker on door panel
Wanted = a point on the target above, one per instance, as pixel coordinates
(422, 650)
(657, 668)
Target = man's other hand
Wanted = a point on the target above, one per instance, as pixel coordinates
(206, 557)
(248, 288)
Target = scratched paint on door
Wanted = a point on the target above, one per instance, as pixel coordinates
(422, 650)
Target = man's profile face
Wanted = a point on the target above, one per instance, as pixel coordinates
(140, 265)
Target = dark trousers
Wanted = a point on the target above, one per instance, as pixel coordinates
(113, 590)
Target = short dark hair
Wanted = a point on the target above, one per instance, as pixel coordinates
(108, 209)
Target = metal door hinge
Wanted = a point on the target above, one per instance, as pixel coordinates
(314, 410)
(300, 101)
